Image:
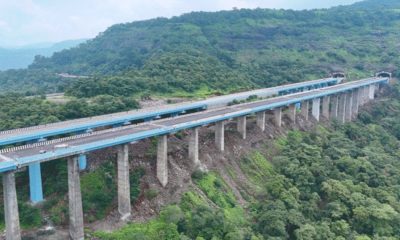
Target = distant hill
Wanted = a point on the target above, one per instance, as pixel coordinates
(24, 56)
(201, 53)
(371, 4)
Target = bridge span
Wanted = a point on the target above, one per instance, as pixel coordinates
(340, 102)
(40, 133)
(86, 124)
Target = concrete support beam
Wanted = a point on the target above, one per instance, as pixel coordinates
(194, 147)
(362, 96)
(292, 112)
(162, 160)
(342, 108)
(366, 94)
(278, 117)
(35, 183)
(75, 200)
(241, 126)
(371, 91)
(261, 120)
(325, 106)
(334, 106)
(349, 107)
(220, 136)
(356, 103)
(124, 190)
(13, 231)
(82, 162)
(316, 105)
(305, 109)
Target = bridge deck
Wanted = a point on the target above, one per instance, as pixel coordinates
(78, 125)
(22, 156)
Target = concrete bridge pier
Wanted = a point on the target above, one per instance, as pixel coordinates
(194, 147)
(334, 99)
(325, 106)
(35, 183)
(371, 91)
(75, 200)
(162, 160)
(241, 126)
(316, 105)
(356, 103)
(366, 94)
(361, 95)
(305, 109)
(278, 117)
(220, 135)
(124, 194)
(349, 106)
(261, 120)
(82, 162)
(13, 231)
(292, 112)
(341, 116)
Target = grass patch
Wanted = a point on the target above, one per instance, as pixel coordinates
(256, 168)
(216, 190)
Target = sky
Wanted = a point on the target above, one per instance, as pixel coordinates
(25, 22)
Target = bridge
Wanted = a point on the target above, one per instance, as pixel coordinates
(339, 102)
(86, 125)
(41, 132)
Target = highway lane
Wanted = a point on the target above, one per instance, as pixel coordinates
(22, 156)
(83, 124)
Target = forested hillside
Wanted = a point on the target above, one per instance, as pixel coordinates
(331, 182)
(202, 53)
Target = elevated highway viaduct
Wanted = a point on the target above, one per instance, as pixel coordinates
(339, 102)
(42, 132)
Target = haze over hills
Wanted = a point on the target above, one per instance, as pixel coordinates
(201, 53)
(22, 57)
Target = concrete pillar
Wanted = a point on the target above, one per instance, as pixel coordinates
(292, 112)
(261, 120)
(194, 147)
(82, 161)
(13, 231)
(241, 126)
(75, 200)
(342, 108)
(362, 96)
(305, 109)
(124, 190)
(220, 135)
(356, 103)
(162, 160)
(35, 183)
(349, 107)
(316, 104)
(278, 117)
(366, 96)
(334, 106)
(371, 91)
(325, 106)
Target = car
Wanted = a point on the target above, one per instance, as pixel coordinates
(63, 145)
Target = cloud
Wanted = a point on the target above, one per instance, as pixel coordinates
(31, 21)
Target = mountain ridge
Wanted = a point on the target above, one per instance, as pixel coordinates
(22, 57)
(202, 53)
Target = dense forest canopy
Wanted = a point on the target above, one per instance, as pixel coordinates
(223, 51)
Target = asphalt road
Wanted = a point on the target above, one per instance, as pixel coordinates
(213, 115)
